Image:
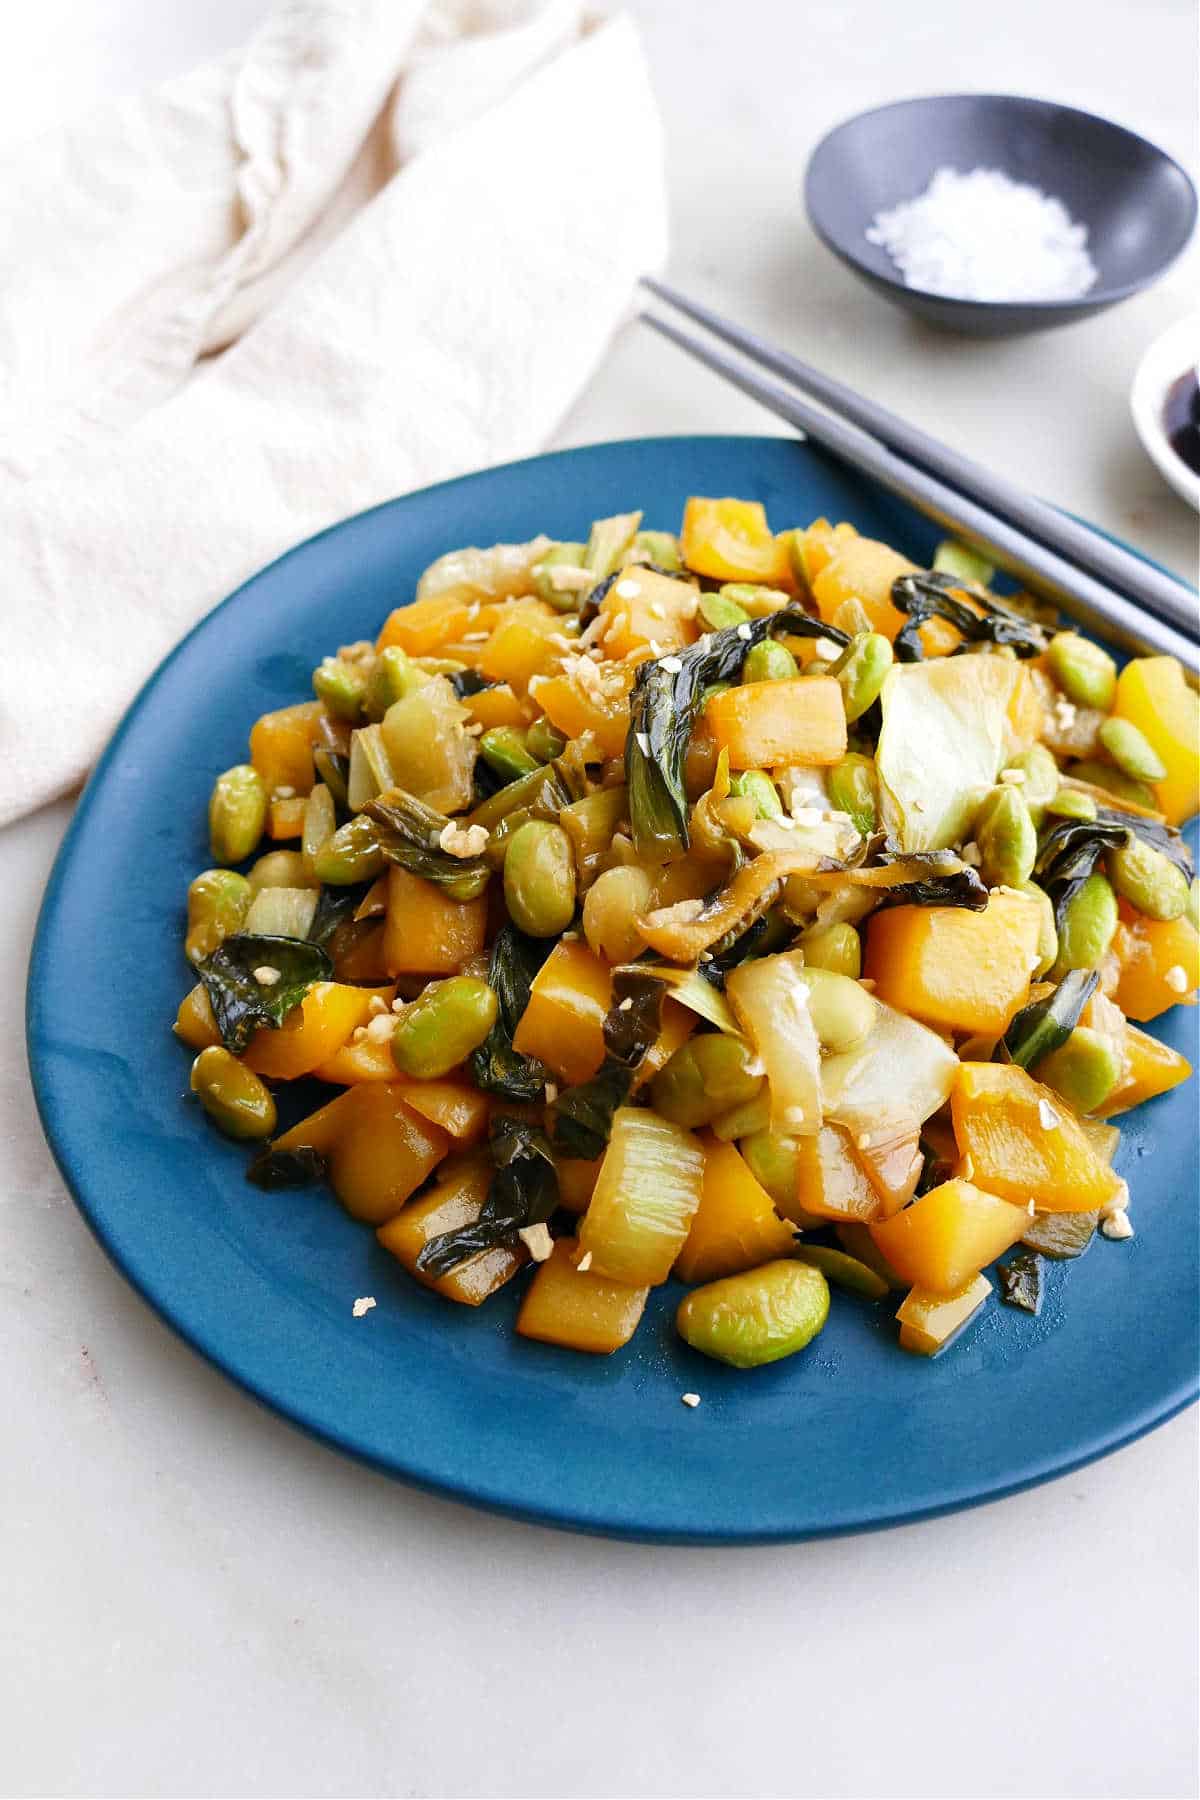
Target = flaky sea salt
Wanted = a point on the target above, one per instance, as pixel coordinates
(984, 236)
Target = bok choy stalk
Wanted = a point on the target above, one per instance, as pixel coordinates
(895, 1079)
(770, 998)
(986, 620)
(667, 697)
(583, 1115)
(942, 742)
(524, 1191)
(242, 1003)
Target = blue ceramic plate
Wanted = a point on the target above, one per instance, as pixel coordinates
(851, 1434)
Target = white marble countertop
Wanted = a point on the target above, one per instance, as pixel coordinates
(195, 1599)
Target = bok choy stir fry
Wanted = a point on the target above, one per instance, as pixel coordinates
(759, 910)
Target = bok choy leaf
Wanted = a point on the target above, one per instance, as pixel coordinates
(1047, 1024)
(242, 1003)
(524, 1191)
(583, 1115)
(932, 595)
(496, 1066)
(409, 834)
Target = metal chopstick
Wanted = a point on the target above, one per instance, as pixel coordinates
(1037, 567)
(1087, 549)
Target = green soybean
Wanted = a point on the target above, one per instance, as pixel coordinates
(539, 878)
(756, 785)
(717, 613)
(440, 1029)
(217, 903)
(662, 547)
(503, 750)
(854, 789)
(1113, 781)
(1132, 750)
(280, 868)
(1193, 903)
(351, 854)
(1047, 928)
(237, 813)
(393, 677)
(769, 661)
(1007, 839)
(1086, 925)
(1149, 880)
(341, 687)
(1069, 803)
(843, 1271)
(236, 1101)
(1084, 1070)
(1041, 778)
(709, 1075)
(543, 742)
(836, 947)
(1086, 674)
(842, 1012)
(756, 1318)
(860, 671)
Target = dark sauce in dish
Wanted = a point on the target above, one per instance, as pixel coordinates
(1181, 419)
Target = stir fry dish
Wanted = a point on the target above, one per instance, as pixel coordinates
(755, 910)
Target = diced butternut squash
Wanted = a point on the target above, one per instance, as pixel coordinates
(1153, 695)
(285, 818)
(423, 627)
(730, 540)
(892, 1166)
(1151, 1068)
(358, 954)
(832, 1181)
(454, 1201)
(281, 746)
(768, 723)
(361, 1059)
(493, 706)
(643, 609)
(677, 1026)
(194, 1021)
(929, 1320)
(576, 1182)
(379, 1151)
(736, 1226)
(1159, 962)
(520, 648)
(1026, 717)
(311, 1033)
(427, 933)
(563, 1023)
(645, 1198)
(577, 1308)
(947, 1236)
(817, 546)
(456, 1107)
(954, 969)
(863, 569)
(575, 705)
(1023, 1143)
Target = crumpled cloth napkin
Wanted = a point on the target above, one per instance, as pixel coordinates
(386, 243)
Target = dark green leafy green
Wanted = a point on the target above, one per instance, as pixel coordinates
(468, 681)
(334, 770)
(1060, 1235)
(241, 1003)
(286, 1168)
(931, 595)
(496, 1066)
(1070, 849)
(334, 906)
(1047, 1024)
(668, 696)
(524, 1191)
(962, 887)
(583, 1115)
(1021, 1281)
(408, 832)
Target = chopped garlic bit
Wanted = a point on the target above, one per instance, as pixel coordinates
(628, 589)
(398, 1005)
(463, 840)
(584, 1263)
(671, 664)
(551, 1093)
(284, 793)
(690, 1399)
(970, 855)
(377, 1004)
(1048, 1119)
(265, 975)
(1176, 978)
(380, 1028)
(362, 1306)
(626, 1004)
(1117, 1226)
(537, 1240)
(1118, 1204)
(744, 632)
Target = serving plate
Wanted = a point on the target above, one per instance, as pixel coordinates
(852, 1434)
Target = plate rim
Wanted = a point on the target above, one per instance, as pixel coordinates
(565, 1517)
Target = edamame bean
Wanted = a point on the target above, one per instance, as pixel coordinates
(442, 1026)
(320, 822)
(351, 854)
(1040, 785)
(844, 1271)
(280, 868)
(503, 750)
(756, 785)
(1047, 928)
(539, 878)
(842, 1012)
(217, 902)
(859, 671)
(610, 906)
(1132, 750)
(716, 613)
(543, 741)
(393, 677)
(1069, 803)
(755, 600)
(1086, 925)
(1192, 908)
(1113, 781)
(236, 1101)
(1149, 880)
(837, 948)
(237, 813)
(853, 789)
(341, 687)
(769, 661)
(1007, 839)
(1084, 1070)
(758, 1317)
(707, 1076)
(558, 556)
(1085, 673)
(661, 547)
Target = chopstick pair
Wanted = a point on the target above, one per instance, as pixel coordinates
(1094, 580)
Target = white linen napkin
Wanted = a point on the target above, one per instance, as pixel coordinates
(385, 244)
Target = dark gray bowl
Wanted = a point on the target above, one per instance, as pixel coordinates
(1137, 203)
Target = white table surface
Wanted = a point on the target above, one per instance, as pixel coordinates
(195, 1599)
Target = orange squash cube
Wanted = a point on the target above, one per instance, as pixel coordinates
(953, 969)
(281, 746)
(426, 932)
(947, 1236)
(454, 1201)
(494, 706)
(863, 569)
(642, 609)
(311, 1033)
(1022, 1143)
(832, 1182)
(768, 723)
(574, 707)
(285, 818)
(730, 540)
(1151, 1068)
(735, 1226)
(577, 1309)
(563, 1023)
(576, 1182)
(379, 1151)
(929, 1320)
(422, 627)
(520, 648)
(893, 1167)
(1153, 695)
(1149, 952)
